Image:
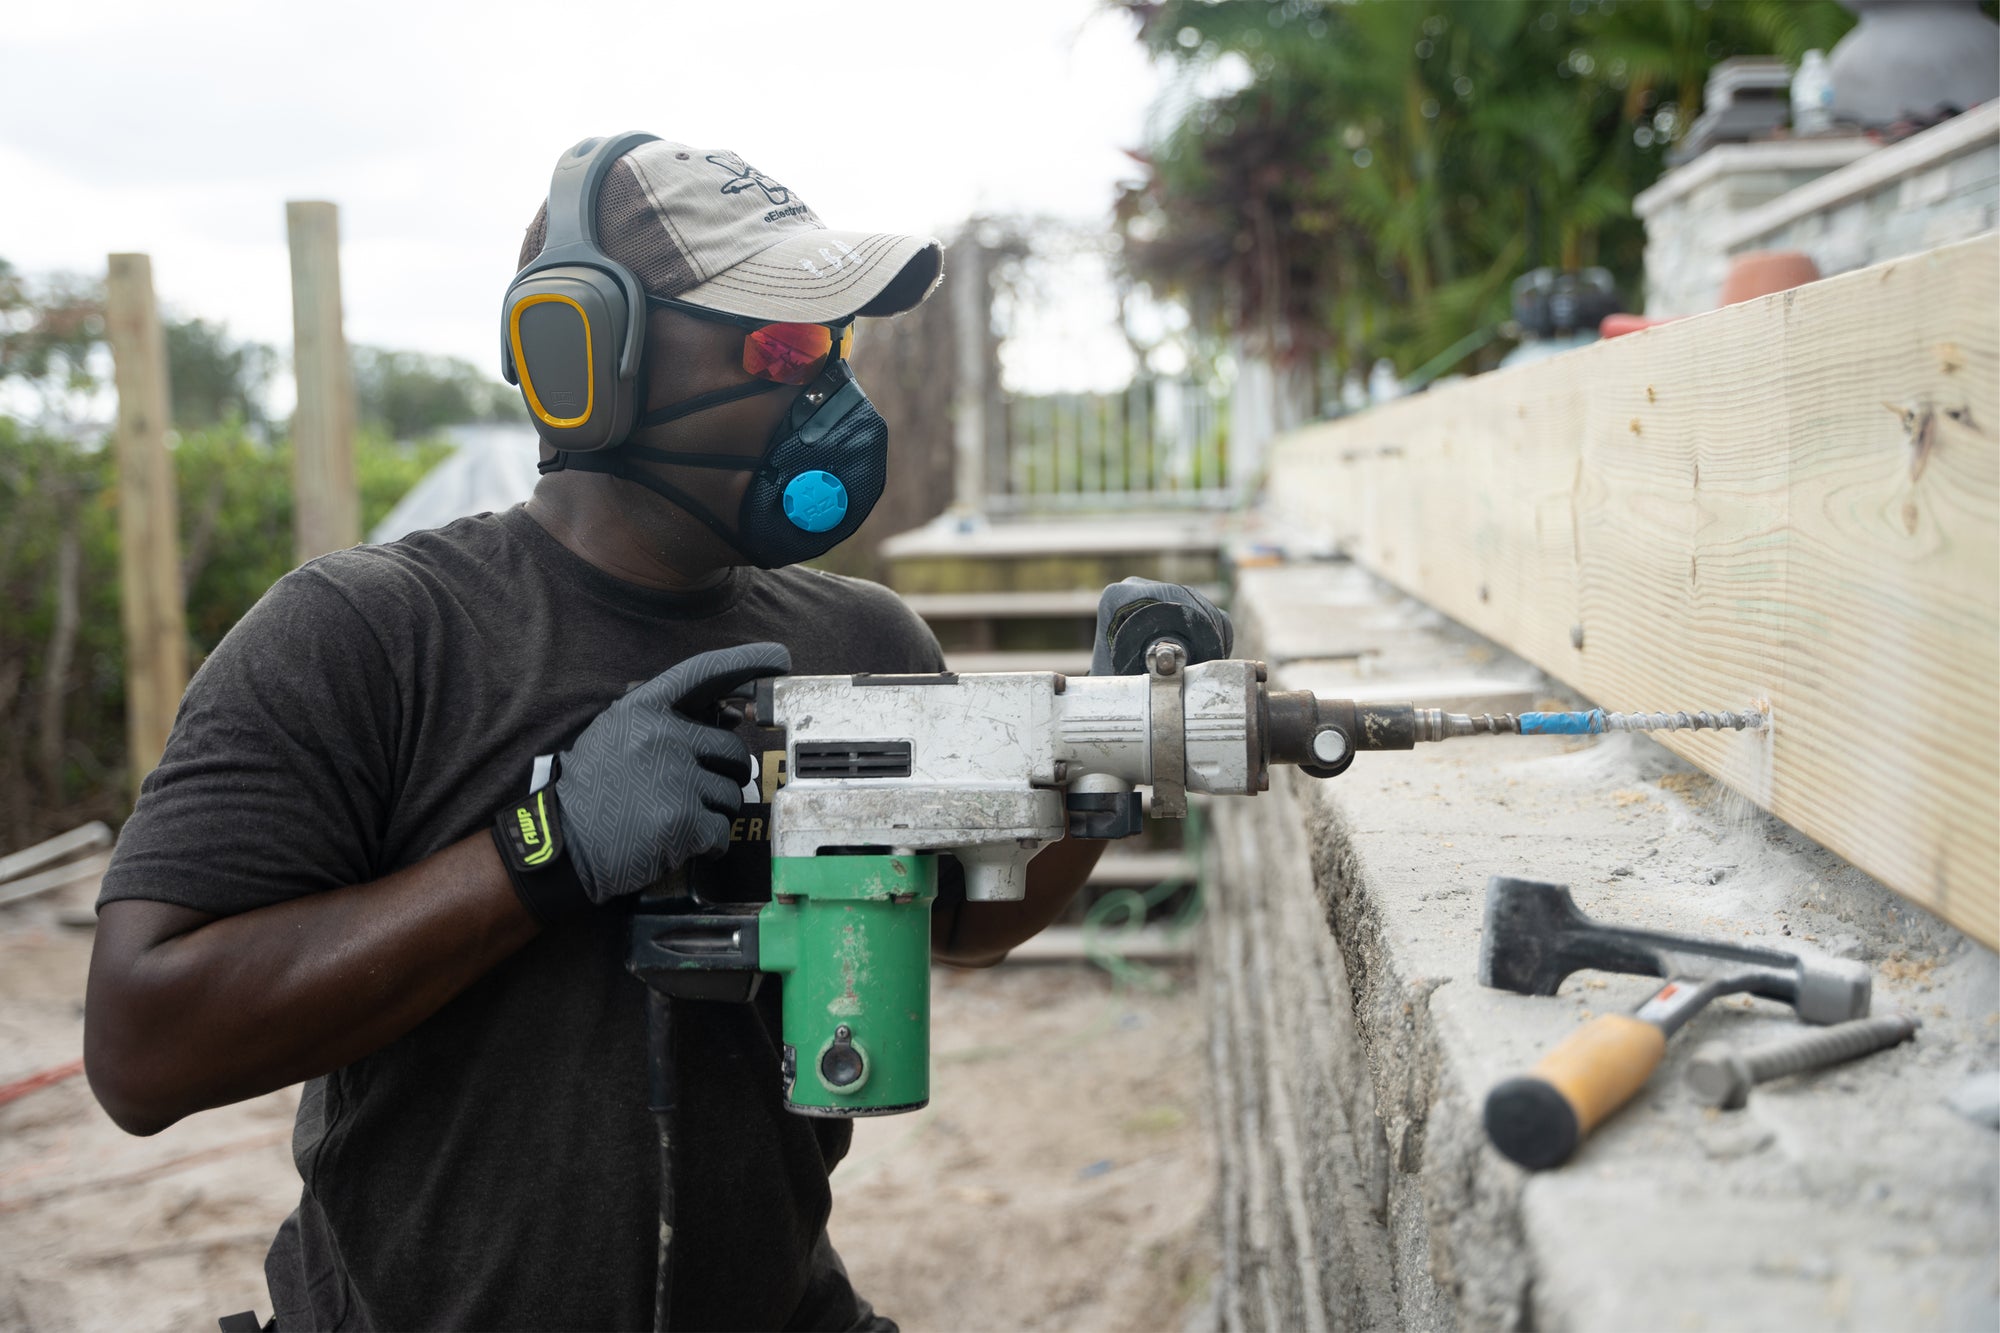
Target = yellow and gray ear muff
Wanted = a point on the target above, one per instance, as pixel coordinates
(573, 325)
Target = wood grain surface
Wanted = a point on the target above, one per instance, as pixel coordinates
(1794, 502)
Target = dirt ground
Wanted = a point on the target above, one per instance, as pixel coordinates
(1060, 1179)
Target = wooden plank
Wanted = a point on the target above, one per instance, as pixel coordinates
(1141, 870)
(22, 889)
(1191, 534)
(1031, 604)
(1068, 661)
(84, 838)
(1075, 944)
(327, 499)
(1793, 502)
(149, 547)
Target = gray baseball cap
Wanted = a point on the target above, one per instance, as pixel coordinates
(704, 226)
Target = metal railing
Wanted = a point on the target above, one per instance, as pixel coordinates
(1159, 444)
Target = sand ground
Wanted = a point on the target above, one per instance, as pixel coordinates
(1060, 1178)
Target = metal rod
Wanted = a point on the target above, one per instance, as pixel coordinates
(1434, 724)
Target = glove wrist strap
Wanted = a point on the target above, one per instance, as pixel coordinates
(528, 833)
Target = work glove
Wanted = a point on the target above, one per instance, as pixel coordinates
(1135, 614)
(653, 782)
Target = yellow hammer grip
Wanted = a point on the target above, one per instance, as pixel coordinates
(1539, 1118)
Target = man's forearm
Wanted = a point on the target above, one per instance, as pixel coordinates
(186, 1011)
(980, 934)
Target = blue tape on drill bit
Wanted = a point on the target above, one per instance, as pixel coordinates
(1563, 724)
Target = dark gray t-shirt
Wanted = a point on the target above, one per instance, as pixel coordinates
(494, 1168)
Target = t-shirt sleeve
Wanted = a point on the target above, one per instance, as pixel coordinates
(277, 778)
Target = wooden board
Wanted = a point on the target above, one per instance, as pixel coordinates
(1142, 870)
(84, 838)
(1032, 604)
(1068, 661)
(149, 546)
(1792, 502)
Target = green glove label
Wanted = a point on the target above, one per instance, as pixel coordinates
(530, 833)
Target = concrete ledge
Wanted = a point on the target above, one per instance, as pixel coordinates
(1352, 1046)
(1768, 156)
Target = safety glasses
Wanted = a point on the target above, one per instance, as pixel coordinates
(780, 353)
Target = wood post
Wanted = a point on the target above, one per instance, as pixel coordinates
(326, 497)
(149, 559)
(971, 301)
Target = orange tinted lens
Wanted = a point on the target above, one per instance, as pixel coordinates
(787, 353)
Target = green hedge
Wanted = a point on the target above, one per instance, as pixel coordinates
(62, 676)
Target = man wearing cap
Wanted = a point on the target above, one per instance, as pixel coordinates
(312, 887)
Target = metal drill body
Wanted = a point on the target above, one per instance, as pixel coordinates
(884, 773)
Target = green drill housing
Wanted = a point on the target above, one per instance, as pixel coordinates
(851, 935)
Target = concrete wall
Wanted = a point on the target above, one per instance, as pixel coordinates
(1351, 1045)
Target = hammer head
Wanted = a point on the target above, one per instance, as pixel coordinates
(1535, 936)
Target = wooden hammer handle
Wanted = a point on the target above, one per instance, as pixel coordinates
(1539, 1118)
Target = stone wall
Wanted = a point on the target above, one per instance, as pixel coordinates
(1848, 203)
(1687, 212)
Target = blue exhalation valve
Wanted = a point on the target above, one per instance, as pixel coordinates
(815, 501)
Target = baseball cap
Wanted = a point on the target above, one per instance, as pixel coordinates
(705, 227)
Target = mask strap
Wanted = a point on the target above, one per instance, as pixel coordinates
(614, 466)
(702, 402)
(675, 458)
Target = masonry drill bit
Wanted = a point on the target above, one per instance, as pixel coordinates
(1435, 724)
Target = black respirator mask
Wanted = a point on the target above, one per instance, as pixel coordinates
(820, 473)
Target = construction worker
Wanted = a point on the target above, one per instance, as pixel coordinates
(313, 886)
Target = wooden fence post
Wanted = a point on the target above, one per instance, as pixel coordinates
(326, 497)
(971, 300)
(149, 558)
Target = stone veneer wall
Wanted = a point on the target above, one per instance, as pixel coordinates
(1847, 203)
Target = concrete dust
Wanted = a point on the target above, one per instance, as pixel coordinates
(1061, 1177)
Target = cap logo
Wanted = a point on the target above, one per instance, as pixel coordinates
(833, 261)
(743, 176)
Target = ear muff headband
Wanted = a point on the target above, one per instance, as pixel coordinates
(573, 324)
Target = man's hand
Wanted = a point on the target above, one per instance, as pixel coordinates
(1133, 615)
(651, 784)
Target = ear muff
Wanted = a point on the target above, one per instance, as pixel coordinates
(573, 323)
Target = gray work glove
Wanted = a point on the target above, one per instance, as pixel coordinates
(651, 784)
(1135, 614)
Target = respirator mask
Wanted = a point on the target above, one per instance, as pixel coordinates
(820, 472)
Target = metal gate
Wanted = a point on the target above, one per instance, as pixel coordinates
(1160, 444)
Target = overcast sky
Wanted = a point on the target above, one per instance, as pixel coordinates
(180, 130)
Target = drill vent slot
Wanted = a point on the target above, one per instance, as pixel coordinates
(851, 759)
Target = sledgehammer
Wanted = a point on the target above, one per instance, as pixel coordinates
(1534, 937)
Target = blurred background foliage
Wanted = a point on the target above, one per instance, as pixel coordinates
(1340, 182)
(62, 670)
